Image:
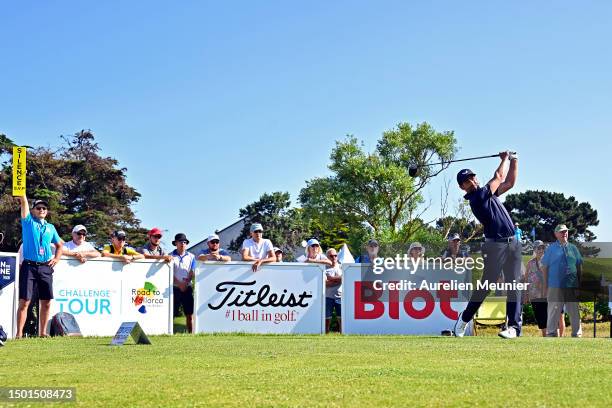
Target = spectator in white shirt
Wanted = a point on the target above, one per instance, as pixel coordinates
(183, 265)
(333, 289)
(314, 255)
(257, 248)
(78, 247)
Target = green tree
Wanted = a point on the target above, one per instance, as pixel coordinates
(544, 210)
(374, 189)
(6, 144)
(82, 187)
(283, 225)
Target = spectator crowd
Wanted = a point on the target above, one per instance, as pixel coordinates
(553, 273)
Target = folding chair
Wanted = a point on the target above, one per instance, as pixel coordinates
(492, 312)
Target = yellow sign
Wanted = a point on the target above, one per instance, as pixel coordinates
(19, 171)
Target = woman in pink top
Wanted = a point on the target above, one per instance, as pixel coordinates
(535, 290)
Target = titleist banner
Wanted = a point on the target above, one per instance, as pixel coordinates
(278, 298)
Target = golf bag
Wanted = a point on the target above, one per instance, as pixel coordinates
(64, 324)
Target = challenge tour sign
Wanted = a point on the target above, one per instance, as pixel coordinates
(278, 298)
(102, 293)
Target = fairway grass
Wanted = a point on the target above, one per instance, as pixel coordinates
(332, 370)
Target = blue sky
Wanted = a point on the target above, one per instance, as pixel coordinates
(210, 104)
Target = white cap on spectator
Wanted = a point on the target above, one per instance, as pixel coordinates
(212, 236)
(79, 228)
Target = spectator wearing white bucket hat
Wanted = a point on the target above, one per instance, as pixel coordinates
(416, 250)
(214, 252)
(257, 248)
(78, 247)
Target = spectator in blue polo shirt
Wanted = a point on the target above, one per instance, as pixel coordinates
(214, 252)
(561, 268)
(38, 261)
(501, 250)
(371, 254)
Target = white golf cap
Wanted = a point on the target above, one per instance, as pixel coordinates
(277, 249)
(78, 228)
(212, 236)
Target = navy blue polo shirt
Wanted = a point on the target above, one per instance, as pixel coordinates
(491, 213)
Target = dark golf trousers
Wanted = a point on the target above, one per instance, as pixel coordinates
(500, 257)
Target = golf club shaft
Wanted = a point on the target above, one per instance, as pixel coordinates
(460, 160)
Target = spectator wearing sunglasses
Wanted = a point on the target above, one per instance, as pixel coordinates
(153, 249)
(314, 254)
(333, 289)
(257, 248)
(118, 250)
(183, 265)
(36, 270)
(214, 252)
(78, 247)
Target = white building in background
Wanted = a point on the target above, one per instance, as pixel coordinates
(226, 236)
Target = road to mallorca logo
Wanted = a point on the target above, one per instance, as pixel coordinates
(148, 296)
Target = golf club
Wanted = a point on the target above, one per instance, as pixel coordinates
(413, 170)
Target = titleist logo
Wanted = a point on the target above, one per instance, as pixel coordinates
(263, 297)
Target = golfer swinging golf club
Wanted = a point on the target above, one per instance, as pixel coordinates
(501, 251)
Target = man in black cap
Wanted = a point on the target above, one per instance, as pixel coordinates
(501, 251)
(119, 250)
(38, 261)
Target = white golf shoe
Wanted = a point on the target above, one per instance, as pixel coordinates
(460, 326)
(509, 333)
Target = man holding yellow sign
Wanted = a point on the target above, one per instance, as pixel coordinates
(38, 261)
(19, 170)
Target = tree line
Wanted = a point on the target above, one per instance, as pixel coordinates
(367, 195)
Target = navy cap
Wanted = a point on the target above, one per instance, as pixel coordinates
(36, 202)
(464, 175)
(119, 234)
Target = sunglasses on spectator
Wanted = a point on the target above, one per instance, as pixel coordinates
(156, 236)
(258, 232)
(214, 241)
(83, 234)
(40, 208)
(315, 245)
(120, 238)
(332, 256)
